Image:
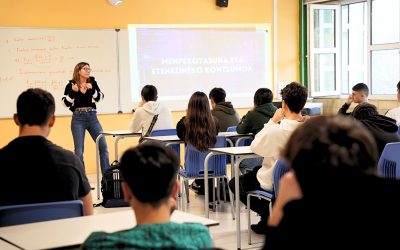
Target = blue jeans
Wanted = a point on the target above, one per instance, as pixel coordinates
(88, 120)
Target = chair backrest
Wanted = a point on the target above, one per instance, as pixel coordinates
(172, 131)
(389, 161)
(194, 161)
(151, 126)
(398, 131)
(245, 142)
(231, 129)
(280, 169)
(35, 212)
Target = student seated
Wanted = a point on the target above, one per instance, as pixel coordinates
(223, 110)
(382, 128)
(148, 108)
(359, 94)
(331, 197)
(268, 143)
(151, 187)
(35, 170)
(255, 119)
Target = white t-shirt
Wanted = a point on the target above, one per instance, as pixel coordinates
(268, 143)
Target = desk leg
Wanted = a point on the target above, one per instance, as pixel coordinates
(230, 142)
(238, 234)
(98, 167)
(116, 147)
(206, 194)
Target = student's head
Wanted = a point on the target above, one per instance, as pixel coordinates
(217, 95)
(360, 93)
(35, 107)
(263, 96)
(149, 93)
(326, 144)
(294, 97)
(150, 171)
(199, 123)
(81, 70)
(398, 91)
(364, 111)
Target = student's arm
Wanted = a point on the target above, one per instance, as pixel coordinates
(289, 189)
(87, 204)
(346, 106)
(244, 125)
(266, 143)
(137, 119)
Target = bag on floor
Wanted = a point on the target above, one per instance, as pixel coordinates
(111, 187)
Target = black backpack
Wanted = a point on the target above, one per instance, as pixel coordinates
(111, 187)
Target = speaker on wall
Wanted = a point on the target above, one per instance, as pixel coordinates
(222, 3)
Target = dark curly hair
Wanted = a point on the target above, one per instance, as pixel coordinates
(295, 96)
(327, 142)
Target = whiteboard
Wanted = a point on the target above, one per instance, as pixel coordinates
(45, 58)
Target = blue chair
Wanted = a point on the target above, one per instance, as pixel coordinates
(279, 170)
(244, 142)
(36, 212)
(172, 131)
(389, 161)
(194, 166)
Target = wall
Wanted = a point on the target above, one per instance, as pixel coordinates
(332, 105)
(100, 14)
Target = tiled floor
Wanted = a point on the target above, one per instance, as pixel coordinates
(224, 235)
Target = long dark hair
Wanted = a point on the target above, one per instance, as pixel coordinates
(200, 130)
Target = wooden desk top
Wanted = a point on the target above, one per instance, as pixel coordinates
(246, 150)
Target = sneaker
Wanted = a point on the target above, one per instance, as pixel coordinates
(260, 227)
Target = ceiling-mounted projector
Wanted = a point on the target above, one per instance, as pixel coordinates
(115, 2)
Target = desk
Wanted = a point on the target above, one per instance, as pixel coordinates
(240, 154)
(74, 231)
(230, 135)
(119, 134)
(167, 139)
(4, 245)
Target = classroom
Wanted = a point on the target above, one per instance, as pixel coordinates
(290, 48)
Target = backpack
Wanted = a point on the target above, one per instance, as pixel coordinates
(111, 187)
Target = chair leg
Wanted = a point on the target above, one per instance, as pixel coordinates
(186, 183)
(218, 197)
(214, 200)
(231, 198)
(223, 188)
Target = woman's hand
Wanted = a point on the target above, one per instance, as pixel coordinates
(75, 87)
(89, 86)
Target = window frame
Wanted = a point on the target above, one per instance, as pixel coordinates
(338, 67)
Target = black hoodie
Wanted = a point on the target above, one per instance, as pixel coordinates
(384, 130)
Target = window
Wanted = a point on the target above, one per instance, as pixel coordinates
(366, 47)
(323, 49)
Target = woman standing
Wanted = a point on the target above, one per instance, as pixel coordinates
(81, 95)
